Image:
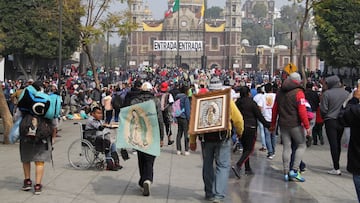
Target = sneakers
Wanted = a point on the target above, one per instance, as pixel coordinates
(27, 185)
(37, 189)
(263, 149)
(334, 172)
(146, 186)
(271, 157)
(296, 175)
(249, 172)
(170, 142)
(187, 153)
(309, 140)
(237, 170)
(209, 198)
(302, 170)
(217, 200)
(178, 152)
(286, 177)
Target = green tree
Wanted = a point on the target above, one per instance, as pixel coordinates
(2, 47)
(336, 22)
(31, 31)
(213, 12)
(259, 10)
(256, 34)
(98, 20)
(122, 51)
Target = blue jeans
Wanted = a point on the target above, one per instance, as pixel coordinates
(356, 179)
(262, 134)
(112, 149)
(216, 181)
(270, 141)
(116, 115)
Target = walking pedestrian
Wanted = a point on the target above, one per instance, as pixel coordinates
(290, 111)
(216, 147)
(145, 161)
(183, 121)
(331, 101)
(251, 114)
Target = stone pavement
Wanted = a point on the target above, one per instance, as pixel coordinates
(176, 178)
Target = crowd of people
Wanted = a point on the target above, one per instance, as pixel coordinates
(276, 108)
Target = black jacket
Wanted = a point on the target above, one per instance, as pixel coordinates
(250, 112)
(352, 117)
(313, 98)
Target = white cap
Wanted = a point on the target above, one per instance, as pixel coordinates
(146, 86)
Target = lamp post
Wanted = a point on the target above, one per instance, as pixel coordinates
(291, 47)
(60, 44)
(108, 54)
(272, 43)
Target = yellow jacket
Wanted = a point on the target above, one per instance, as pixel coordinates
(236, 119)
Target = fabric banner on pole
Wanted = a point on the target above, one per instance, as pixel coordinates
(175, 7)
(139, 128)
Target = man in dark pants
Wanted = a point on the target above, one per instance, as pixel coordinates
(145, 161)
(330, 105)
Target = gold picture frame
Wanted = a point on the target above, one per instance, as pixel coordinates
(210, 112)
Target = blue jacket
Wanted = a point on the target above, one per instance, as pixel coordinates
(184, 103)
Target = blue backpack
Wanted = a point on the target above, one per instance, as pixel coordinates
(176, 108)
(55, 106)
(39, 103)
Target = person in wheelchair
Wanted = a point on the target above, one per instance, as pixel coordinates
(95, 129)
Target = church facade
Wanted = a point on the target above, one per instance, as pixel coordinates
(204, 43)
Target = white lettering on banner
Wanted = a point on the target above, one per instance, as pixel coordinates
(162, 45)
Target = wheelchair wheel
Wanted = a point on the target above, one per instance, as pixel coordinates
(99, 160)
(81, 154)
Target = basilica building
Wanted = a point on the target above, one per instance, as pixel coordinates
(204, 43)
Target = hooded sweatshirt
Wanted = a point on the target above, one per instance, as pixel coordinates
(290, 106)
(332, 98)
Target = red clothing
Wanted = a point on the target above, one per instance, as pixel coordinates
(318, 118)
(202, 90)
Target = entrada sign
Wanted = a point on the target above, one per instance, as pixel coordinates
(163, 45)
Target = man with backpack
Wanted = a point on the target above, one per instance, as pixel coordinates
(166, 100)
(116, 103)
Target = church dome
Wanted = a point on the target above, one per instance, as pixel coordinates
(147, 11)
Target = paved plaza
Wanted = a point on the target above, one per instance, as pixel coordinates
(176, 178)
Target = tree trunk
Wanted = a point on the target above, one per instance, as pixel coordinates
(6, 117)
(87, 50)
(21, 66)
(301, 36)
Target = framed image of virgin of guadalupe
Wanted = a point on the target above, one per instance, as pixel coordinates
(210, 112)
(139, 128)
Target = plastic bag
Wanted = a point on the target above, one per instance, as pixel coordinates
(15, 131)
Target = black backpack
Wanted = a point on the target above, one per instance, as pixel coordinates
(35, 128)
(117, 101)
